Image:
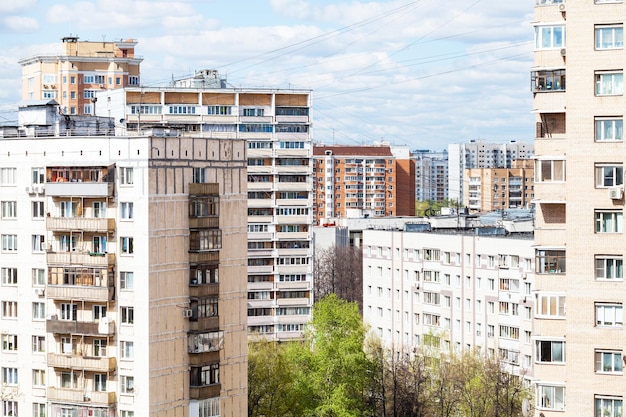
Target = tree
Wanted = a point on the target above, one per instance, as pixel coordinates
(339, 270)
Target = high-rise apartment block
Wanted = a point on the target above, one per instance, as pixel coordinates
(431, 175)
(357, 181)
(491, 189)
(579, 197)
(73, 76)
(480, 154)
(123, 265)
(276, 127)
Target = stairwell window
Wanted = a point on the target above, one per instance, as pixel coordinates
(128, 315)
(609, 36)
(126, 176)
(128, 384)
(609, 221)
(127, 210)
(610, 83)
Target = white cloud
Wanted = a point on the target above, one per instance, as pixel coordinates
(19, 24)
(7, 7)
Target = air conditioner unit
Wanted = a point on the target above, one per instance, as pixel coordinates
(28, 190)
(45, 86)
(40, 291)
(616, 193)
(562, 7)
(53, 317)
(524, 275)
(563, 52)
(477, 332)
(39, 189)
(187, 313)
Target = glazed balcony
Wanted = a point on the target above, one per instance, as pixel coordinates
(80, 292)
(203, 189)
(54, 325)
(102, 260)
(204, 257)
(82, 189)
(68, 395)
(204, 323)
(199, 359)
(203, 290)
(85, 224)
(204, 222)
(87, 363)
(209, 391)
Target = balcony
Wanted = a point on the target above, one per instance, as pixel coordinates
(204, 222)
(85, 224)
(204, 257)
(199, 359)
(82, 189)
(80, 292)
(54, 325)
(102, 260)
(87, 363)
(80, 396)
(204, 323)
(260, 269)
(199, 393)
(204, 290)
(282, 302)
(199, 189)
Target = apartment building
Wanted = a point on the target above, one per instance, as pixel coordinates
(431, 175)
(73, 76)
(123, 283)
(491, 189)
(481, 154)
(449, 289)
(276, 127)
(580, 203)
(357, 181)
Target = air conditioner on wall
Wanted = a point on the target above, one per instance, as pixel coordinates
(40, 291)
(616, 193)
(187, 313)
(563, 51)
(562, 7)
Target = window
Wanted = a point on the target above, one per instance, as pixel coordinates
(547, 80)
(68, 208)
(126, 244)
(128, 384)
(219, 110)
(99, 312)
(9, 276)
(127, 280)
(609, 129)
(37, 209)
(87, 109)
(182, 109)
(9, 209)
(551, 305)
(99, 382)
(609, 267)
(9, 343)
(609, 37)
(609, 221)
(38, 243)
(9, 243)
(609, 315)
(551, 397)
(7, 176)
(509, 332)
(9, 309)
(609, 406)
(547, 170)
(609, 83)
(128, 315)
(206, 239)
(69, 311)
(608, 361)
(99, 209)
(209, 407)
(39, 311)
(126, 176)
(200, 175)
(127, 211)
(39, 378)
(609, 175)
(550, 261)
(99, 243)
(9, 408)
(39, 410)
(206, 375)
(549, 37)
(39, 344)
(127, 350)
(133, 80)
(550, 351)
(99, 347)
(9, 376)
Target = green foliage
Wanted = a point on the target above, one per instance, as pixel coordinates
(422, 206)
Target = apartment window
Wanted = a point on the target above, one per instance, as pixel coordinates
(207, 239)
(133, 80)
(39, 378)
(127, 384)
(547, 80)
(609, 406)
(609, 221)
(9, 408)
(609, 267)
(609, 315)
(128, 315)
(609, 83)
(9, 243)
(219, 110)
(38, 243)
(99, 347)
(550, 305)
(127, 280)
(127, 350)
(551, 397)
(549, 37)
(99, 382)
(547, 170)
(550, 261)
(609, 175)
(609, 129)
(182, 109)
(9, 342)
(39, 410)
(206, 375)
(550, 351)
(9, 376)
(608, 361)
(126, 244)
(200, 175)
(209, 207)
(9, 276)
(509, 332)
(9, 309)
(209, 407)
(609, 36)
(127, 210)
(7, 176)
(37, 209)
(39, 344)
(126, 176)
(9, 209)
(87, 109)
(69, 380)
(99, 209)
(39, 311)
(69, 311)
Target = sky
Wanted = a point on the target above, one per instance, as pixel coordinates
(421, 73)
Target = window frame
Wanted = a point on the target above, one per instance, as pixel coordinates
(614, 43)
(613, 86)
(617, 313)
(544, 348)
(600, 363)
(608, 175)
(555, 39)
(549, 402)
(606, 218)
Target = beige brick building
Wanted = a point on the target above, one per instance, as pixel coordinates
(580, 206)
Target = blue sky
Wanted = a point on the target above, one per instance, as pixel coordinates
(420, 73)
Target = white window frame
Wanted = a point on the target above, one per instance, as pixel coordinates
(38, 210)
(548, 170)
(127, 315)
(551, 397)
(549, 37)
(609, 221)
(550, 305)
(127, 245)
(555, 349)
(9, 275)
(38, 243)
(39, 378)
(127, 280)
(127, 211)
(609, 267)
(8, 176)
(127, 384)
(609, 406)
(127, 350)
(609, 83)
(39, 310)
(609, 361)
(9, 343)
(609, 129)
(9, 309)
(127, 176)
(609, 315)
(609, 175)
(9, 210)
(609, 37)
(9, 243)
(10, 376)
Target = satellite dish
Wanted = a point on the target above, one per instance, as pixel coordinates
(122, 121)
(525, 407)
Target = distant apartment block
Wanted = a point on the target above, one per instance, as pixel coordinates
(480, 154)
(491, 189)
(82, 68)
(358, 181)
(431, 175)
(443, 291)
